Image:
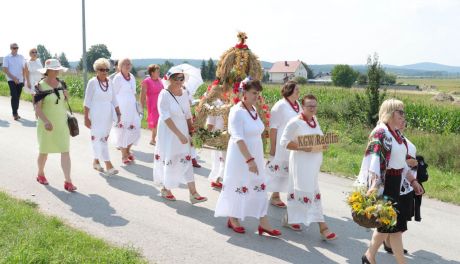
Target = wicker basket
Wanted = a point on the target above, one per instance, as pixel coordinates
(363, 221)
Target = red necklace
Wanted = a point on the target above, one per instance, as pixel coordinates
(103, 84)
(127, 78)
(295, 106)
(308, 122)
(395, 135)
(252, 116)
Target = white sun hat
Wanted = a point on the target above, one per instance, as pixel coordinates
(52, 64)
(171, 72)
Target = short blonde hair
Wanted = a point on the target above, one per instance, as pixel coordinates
(123, 61)
(101, 62)
(33, 49)
(387, 109)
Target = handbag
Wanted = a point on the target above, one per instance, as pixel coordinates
(72, 122)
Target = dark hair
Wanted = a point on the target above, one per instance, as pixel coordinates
(152, 68)
(308, 96)
(288, 88)
(253, 84)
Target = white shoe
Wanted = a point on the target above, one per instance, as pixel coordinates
(98, 167)
(111, 172)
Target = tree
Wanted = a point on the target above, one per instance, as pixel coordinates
(301, 80)
(266, 77)
(164, 68)
(95, 52)
(204, 70)
(362, 79)
(63, 60)
(211, 67)
(343, 75)
(43, 53)
(388, 78)
(374, 75)
(310, 74)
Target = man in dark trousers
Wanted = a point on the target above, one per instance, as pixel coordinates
(14, 67)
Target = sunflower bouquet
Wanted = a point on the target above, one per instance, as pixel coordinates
(371, 211)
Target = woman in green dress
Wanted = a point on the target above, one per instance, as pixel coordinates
(52, 128)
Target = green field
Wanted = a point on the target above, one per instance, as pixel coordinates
(443, 85)
(27, 236)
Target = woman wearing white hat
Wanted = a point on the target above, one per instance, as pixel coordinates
(52, 130)
(128, 130)
(172, 164)
(100, 103)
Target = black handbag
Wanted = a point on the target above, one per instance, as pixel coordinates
(72, 122)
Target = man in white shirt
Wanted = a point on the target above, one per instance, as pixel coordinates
(14, 67)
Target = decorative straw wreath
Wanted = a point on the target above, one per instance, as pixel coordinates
(235, 64)
(371, 211)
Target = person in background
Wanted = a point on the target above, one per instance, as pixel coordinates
(14, 66)
(151, 88)
(33, 76)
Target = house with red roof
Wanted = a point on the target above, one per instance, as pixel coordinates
(283, 71)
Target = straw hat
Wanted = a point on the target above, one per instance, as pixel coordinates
(52, 64)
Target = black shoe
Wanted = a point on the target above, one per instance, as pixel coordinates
(390, 251)
(364, 260)
(16, 117)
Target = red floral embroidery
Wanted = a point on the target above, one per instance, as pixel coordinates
(244, 189)
(276, 167)
(120, 125)
(376, 148)
(262, 186)
(306, 200)
(265, 107)
(157, 157)
(318, 196)
(92, 138)
(188, 157)
(131, 127)
(291, 196)
(236, 100)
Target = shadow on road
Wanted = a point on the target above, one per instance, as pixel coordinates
(133, 187)
(143, 156)
(4, 123)
(140, 171)
(27, 123)
(92, 206)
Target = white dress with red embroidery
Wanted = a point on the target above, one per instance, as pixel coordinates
(278, 168)
(304, 197)
(129, 131)
(244, 193)
(218, 156)
(172, 164)
(101, 102)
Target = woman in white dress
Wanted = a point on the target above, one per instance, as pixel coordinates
(244, 192)
(100, 102)
(128, 130)
(33, 76)
(172, 164)
(304, 197)
(214, 124)
(278, 166)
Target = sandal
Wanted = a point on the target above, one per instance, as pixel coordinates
(126, 161)
(153, 143)
(329, 237)
(196, 198)
(131, 157)
(111, 172)
(98, 167)
(69, 187)
(279, 204)
(295, 227)
(42, 180)
(170, 197)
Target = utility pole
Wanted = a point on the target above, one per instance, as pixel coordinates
(85, 72)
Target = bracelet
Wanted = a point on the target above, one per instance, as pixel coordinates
(250, 159)
(412, 181)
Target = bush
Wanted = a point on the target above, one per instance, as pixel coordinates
(343, 75)
(2, 77)
(301, 80)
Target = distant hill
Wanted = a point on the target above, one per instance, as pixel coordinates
(424, 69)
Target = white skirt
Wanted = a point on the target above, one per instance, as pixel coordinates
(218, 165)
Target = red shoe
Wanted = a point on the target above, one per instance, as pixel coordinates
(69, 187)
(195, 164)
(279, 204)
(131, 157)
(274, 232)
(237, 229)
(42, 180)
(216, 185)
(126, 161)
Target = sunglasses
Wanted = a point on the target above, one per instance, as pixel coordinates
(103, 70)
(311, 106)
(33, 52)
(401, 112)
(14, 47)
(179, 79)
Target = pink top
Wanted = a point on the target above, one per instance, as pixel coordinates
(153, 89)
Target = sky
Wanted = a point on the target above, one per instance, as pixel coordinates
(318, 32)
